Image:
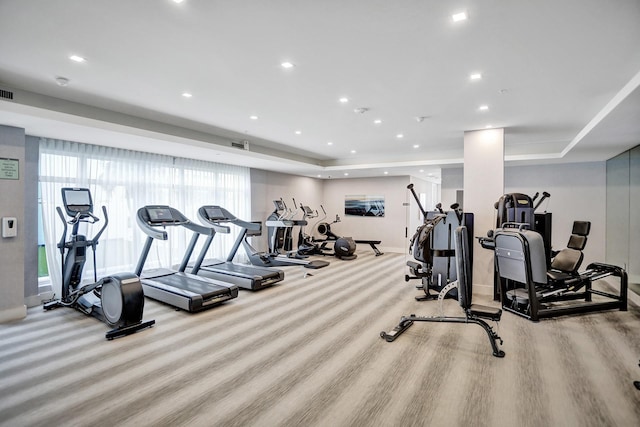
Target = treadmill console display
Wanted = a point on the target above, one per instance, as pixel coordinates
(214, 213)
(159, 215)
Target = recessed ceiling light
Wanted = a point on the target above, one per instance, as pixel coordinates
(460, 16)
(62, 81)
(377, 121)
(287, 65)
(416, 146)
(475, 76)
(483, 108)
(298, 132)
(329, 143)
(488, 127)
(399, 135)
(353, 151)
(386, 173)
(429, 174)
(421, 170)
(344, 100)
(187, 95)
(178, 1)
(253, 117)
(319, 176)
(346, 174)
(77, 58)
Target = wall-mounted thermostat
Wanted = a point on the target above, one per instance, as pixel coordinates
(9, 227)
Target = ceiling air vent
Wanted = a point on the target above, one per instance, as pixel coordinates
(242, 145)
(6, 94)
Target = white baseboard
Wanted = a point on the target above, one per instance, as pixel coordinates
(15, 313)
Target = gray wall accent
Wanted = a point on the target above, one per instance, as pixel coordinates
(31, 290)
(634, 215)
(623, 205)
(12, 254)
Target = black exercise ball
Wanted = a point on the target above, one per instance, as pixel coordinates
(345, 248)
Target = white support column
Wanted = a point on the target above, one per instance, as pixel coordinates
(483, 186)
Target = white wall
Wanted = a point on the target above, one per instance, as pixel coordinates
(390, 229)
(452, 180)
(578, 192)
(483, 151)
(269, 186)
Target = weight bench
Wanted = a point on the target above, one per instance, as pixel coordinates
(473, 313)
(373, 244)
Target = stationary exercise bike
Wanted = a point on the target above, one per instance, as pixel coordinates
(117, 300)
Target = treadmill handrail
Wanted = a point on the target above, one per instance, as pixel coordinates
(178, 219)
(228, 217)
(279, 223)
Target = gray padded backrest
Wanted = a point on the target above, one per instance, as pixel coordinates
(511, 256)
(581, 228)
(577, 242)
(463, 267)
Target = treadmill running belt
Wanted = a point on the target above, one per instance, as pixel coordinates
(193, 284)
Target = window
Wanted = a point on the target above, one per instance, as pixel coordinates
(123, 181)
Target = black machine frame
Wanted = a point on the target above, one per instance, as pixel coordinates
(245, 276)
(117, 300)
(435, 265)
(473, 313)
(527, 291)
(177, 288)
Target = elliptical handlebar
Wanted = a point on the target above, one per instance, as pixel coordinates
(104, 226)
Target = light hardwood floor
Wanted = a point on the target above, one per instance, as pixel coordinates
(307, 352)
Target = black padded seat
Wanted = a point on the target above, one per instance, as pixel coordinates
(581, 228)
(491, 313)
(566, 262)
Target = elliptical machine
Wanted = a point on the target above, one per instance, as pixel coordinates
(117, 300)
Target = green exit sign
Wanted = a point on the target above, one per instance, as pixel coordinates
(9, 169)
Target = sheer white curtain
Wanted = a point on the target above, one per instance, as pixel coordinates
(123, 181)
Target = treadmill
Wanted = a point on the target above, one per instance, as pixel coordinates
(176, 287)
(245, 276)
